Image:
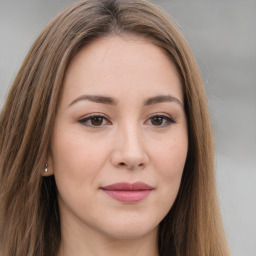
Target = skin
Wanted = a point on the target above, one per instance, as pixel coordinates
(124, 145)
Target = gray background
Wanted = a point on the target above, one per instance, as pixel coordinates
(222, 35)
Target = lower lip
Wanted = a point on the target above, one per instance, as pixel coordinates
(128, 196)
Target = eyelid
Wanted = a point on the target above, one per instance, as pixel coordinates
(169, 118)
(92, 115)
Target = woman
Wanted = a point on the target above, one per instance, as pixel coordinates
(105, 140)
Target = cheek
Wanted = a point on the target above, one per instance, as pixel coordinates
(175, 158)
(76, 157)
(172, 155)
(170, 163)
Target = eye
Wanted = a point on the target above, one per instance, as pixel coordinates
(94, 121)
(160, 120)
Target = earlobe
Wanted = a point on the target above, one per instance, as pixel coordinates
(48, 168)
(47, 171)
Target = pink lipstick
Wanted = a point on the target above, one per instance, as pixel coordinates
(128, 192)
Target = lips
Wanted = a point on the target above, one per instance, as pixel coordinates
(128, 192)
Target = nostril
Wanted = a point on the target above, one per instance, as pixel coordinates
(123, 164)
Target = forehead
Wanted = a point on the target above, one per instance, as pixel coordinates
(122, 65)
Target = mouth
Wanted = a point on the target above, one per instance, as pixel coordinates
(128, 192)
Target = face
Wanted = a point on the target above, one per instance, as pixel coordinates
(120, 139)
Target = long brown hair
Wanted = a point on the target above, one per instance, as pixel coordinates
(29, 215)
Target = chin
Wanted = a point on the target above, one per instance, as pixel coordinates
(132, 230)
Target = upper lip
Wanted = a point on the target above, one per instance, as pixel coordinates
(125, 186)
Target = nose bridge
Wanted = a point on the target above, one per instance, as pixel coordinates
(130, 150)
(132, 139)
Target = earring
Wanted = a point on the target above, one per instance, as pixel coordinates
(46, 168)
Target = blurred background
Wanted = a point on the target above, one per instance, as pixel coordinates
(222, 36)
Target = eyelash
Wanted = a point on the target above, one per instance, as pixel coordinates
(90, 118)
(168, 120)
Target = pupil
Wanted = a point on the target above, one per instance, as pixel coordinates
(157, 120)
(97, 120)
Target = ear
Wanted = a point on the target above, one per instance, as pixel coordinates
(48, 168)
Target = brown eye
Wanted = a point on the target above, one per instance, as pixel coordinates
(160, 121)
(97, 120)
(94, 121)
(157, 120)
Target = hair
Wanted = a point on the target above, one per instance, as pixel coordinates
(29, 214)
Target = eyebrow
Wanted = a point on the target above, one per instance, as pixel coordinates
(96, 98)
(161, 99)
(114, 102)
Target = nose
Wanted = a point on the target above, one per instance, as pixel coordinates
(129, 150)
